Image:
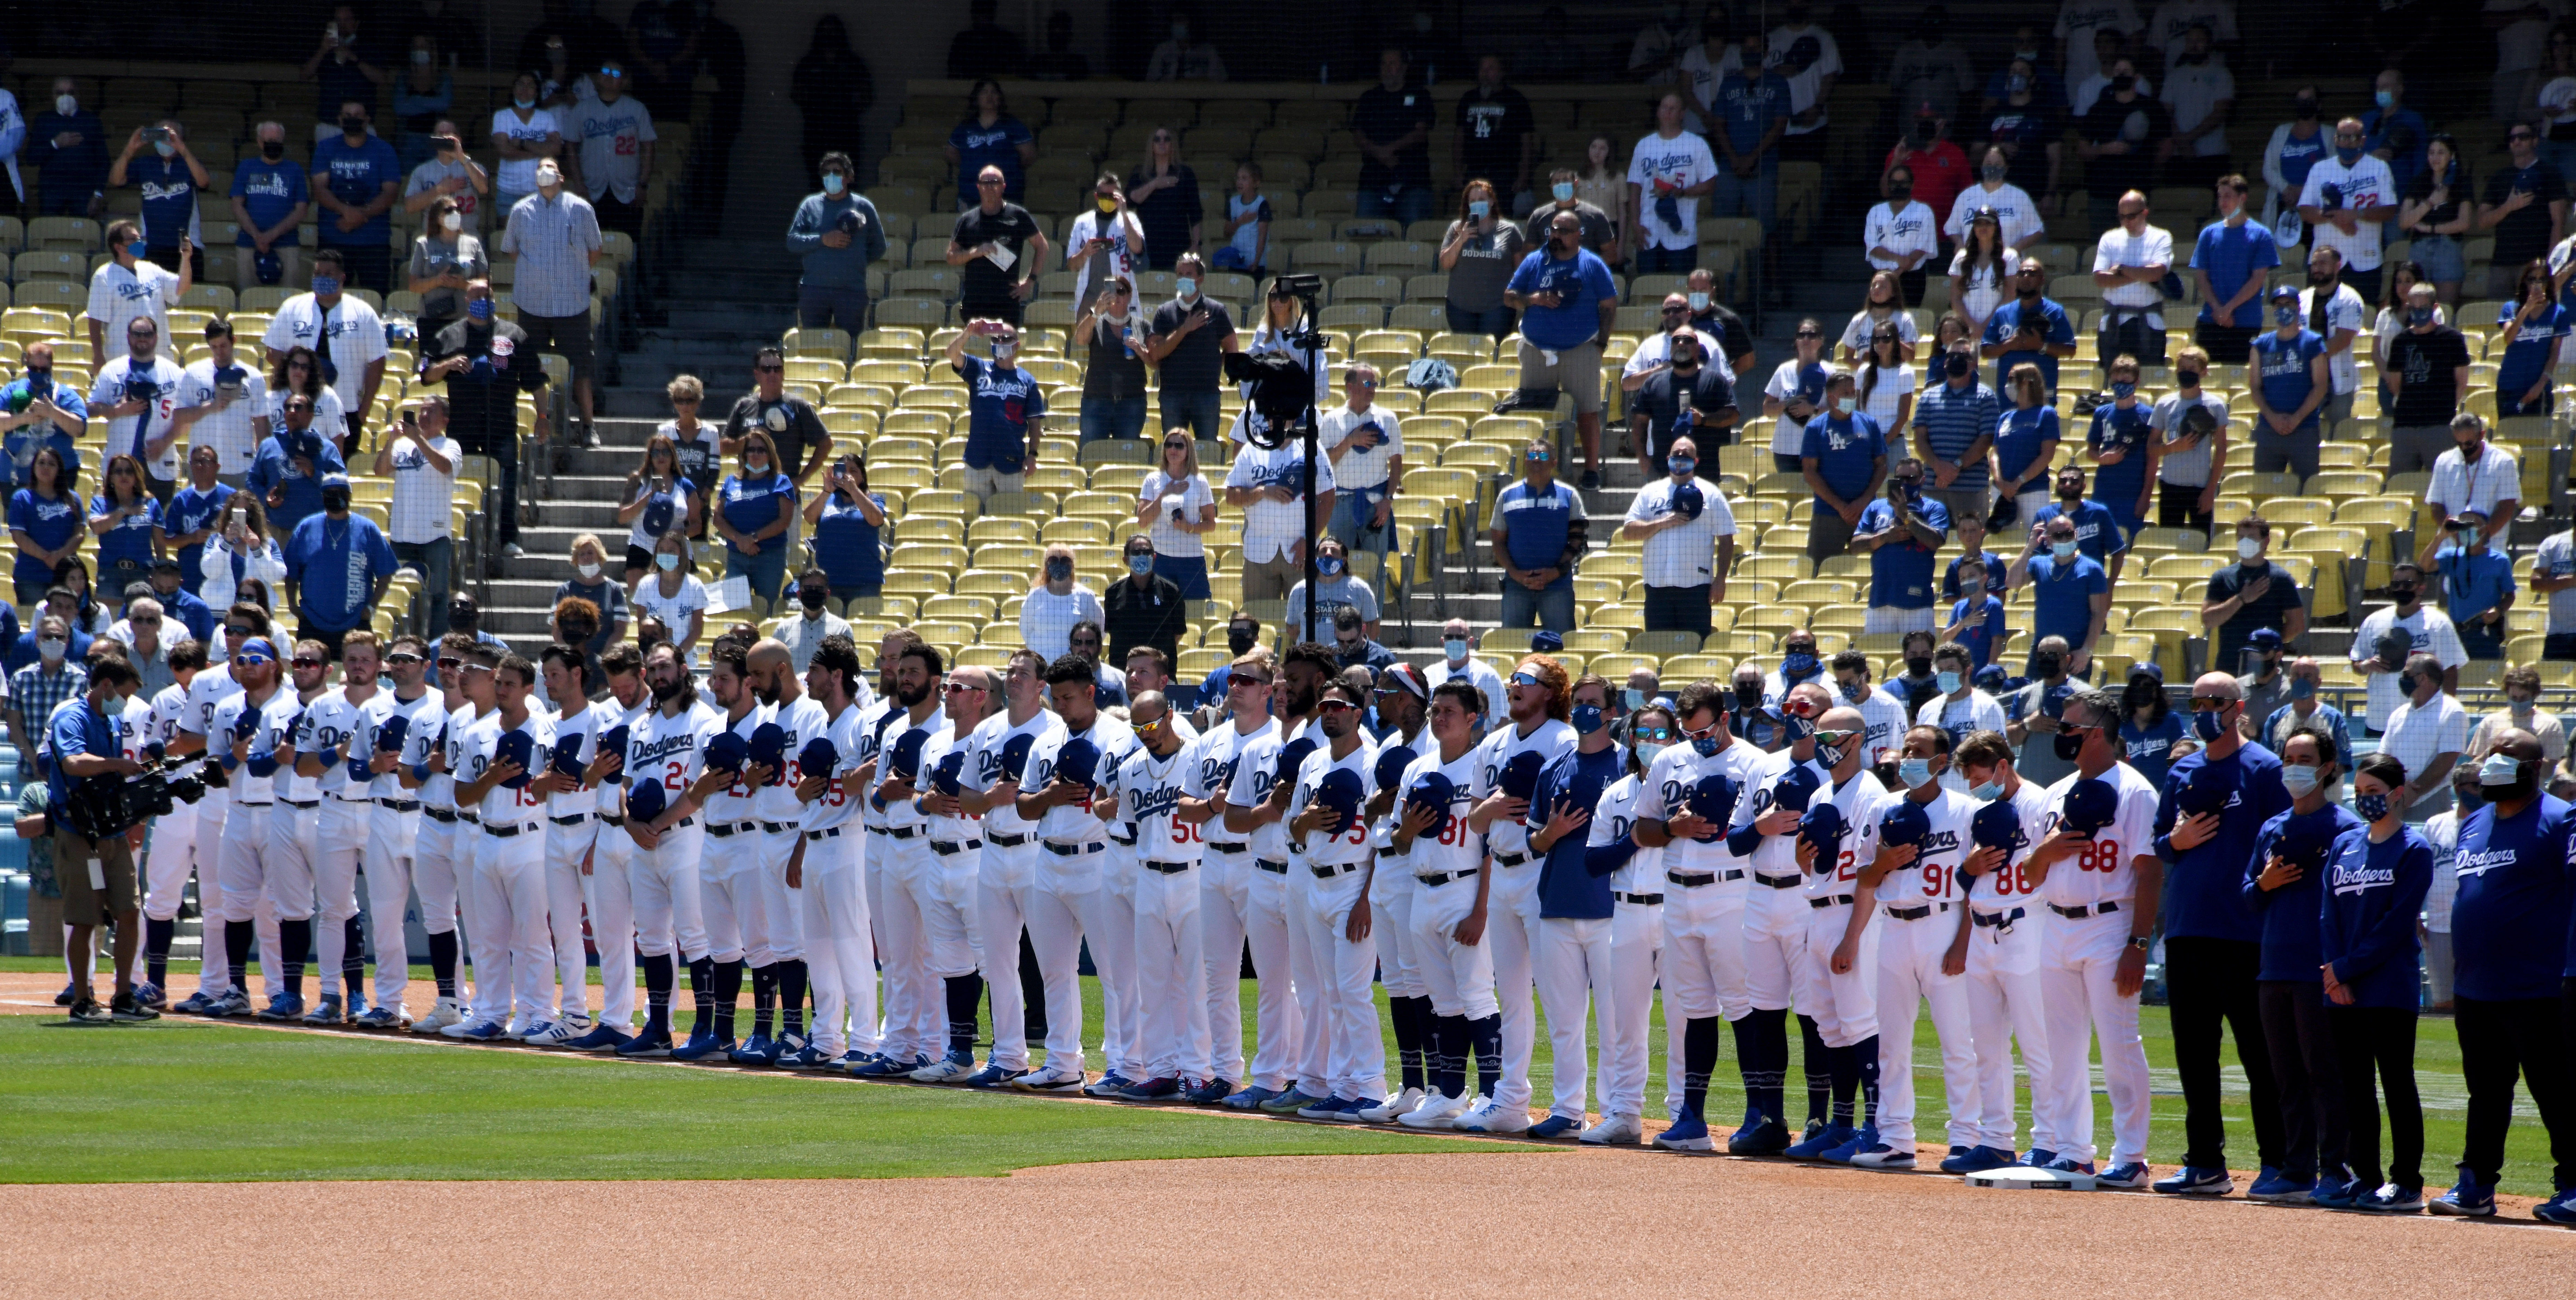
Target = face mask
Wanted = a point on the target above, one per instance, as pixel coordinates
(67, 105)
(2499, 770)
(589, 572)
(2406, 683)
(1586, 718)
(1845, 406)
(2521, 708)
(2123, 388)
(1059, 570)
(524, 104)
(1455, 648)
(137, 250)
(2402, 593)
(1698, 301)
(2016, 83)
(2069, 745)
(1634, 698)
(1564, 190)
(1994, 173)
(1681, 466)
(1328, 565)
(1186, 287)
(479, 308)
(1986, 792)
(666, 561)
(452, 222)
(1003, 352)
(1918, 666)
(1852, 691)
(1478, 208)
(2248, 548)
(1140, 565)
(1915, 773)
(1241, 639)
(834, 182)
(2209, 724)
(1647, 750)
(2419, 317)
(324, 286)
(1831, 755)
(164, 148)
(2302, 689)
(2385, 99)
(2348, 154)
(420, 58)
(2044, 666)
(2187, 378)
(2301, 780)
(52, 649)
(2286, 315)
(2062, 550)
(1950, 682)
(1748, 694)
(1798, 663)
(353, 125)
(272, 150)
(2304, 109)
(1899, 194)
(2124, 83)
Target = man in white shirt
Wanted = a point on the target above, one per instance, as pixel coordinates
(2553, 574)
(2427, 732)
(1667, 172)
(2078, 22)
(1689, 533)
(2428, 631)
(2169, 29)
(129, 285)
(421, 459)
(2476, 475)
(2331, 276)
(2349, 196)
(1269, 487)
(1457, 644)
(344, 331)
(1366, 445)
(2129, 264)
(616, 154)
(1902, 233)
(2017, 215)
(2201, 94)
(1882, 715)
(1805, 56)
(1961, 709)
(223, 403)
(2108, 48)
(137, 394)
(1107, 241)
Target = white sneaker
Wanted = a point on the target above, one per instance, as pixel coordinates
(1393, 1108)
(947, 1069)
(511, 551)
(1615, 1128)
(1487, 1117)
(1435, 1111)
(558, 1033)
(529, 1030)
(440, 1018)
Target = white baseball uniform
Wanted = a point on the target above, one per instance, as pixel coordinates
(1511, 907)
(510, 875)
(333, 730)
(1005, 872)
(1253, 882)
(839, 962)
(571, 831)
(1706, 887)
(728, 876)
(1066, 896)
(2090, 894)
(1170, 966)
(2005, 1004)
(916, 1015)
(1844, 1004)
(1342, 1048)
(1918, 920)
(663, 880)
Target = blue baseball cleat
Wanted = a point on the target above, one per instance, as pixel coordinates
(2393, 1199)
(2274, 1185)
(2196, 1180)
(2071, 1165)
(1688, 1133)
(1977, 1160)
(1211, 1093)
(2039, 1158)
(2559, 1209)
(755, 1050)
(654, 1041)
(702, 1045)
(2130, 1177)
(1760, 1135)
(199, 1003)
(485, 1031)
(2338, 1193)
(603, 1037)
(1860, 1139)
(992, 1076)
(2470, 1199)
(1815, 1148)
(1555, 1126)
(285, 1006)
(1164, 1088)
(1249, 1098)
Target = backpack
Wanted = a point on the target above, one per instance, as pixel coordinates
(1430, 375)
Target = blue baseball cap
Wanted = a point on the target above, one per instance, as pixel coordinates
(1015, 754)
(1823, 827)
(1997, 826)
(1391, 762)
(943, 777)
(1795, 787)
(1292, 756)
(2091, 804)
(645, 800)
(1436, 792)
(1519, 778)
(515, 747)
(1904, 824)
(729, 751)
(1078, 761)
(1714, 797)
(390, 734)
(769, 749)
(1342, 791)
(819, 757)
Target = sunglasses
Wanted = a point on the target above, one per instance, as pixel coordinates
(1685, 311)
(306, 663)
(1155, 725)
(1657, 734)
(1336, 706)
(1526, 679)
(146, 622)
(449, 663)
(961, 688)
(2209, 703)
(1834, 737)
(472, 668)
(1811, 334)
(1709, 730)
(770, 368)
(241, 631)
(1240, 679)
(402, 657)
(1360, 383)
(989, 185)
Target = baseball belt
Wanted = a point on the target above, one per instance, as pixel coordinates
(575, 820)
(1274, 868)
(1991, 919)
(1917, 913)
(1709, 878)
(726, 830)
(948, 849)
(1073, 850)
(400, 805)
(1829, 900)
(1008, 841)
(1439, 878)
(1643, 900)
(1776, 882)
(1332, 869)
(1169, 868)
(827, 833)
(2079, 913)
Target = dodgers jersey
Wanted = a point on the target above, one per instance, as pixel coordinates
(2000, 891)
(833, 807)
(503, 806)
(2105, 872)
(579, 733)
(672, 748)
(1414, 747)
(1457, 847)
(1664, 793)
(960, 829)
(1075, 823)
(875, 721)
(294, 712)
(1551, 739)
(1219, 759)
(1351, 845)
(1933, 876)
(1777, 855)
(1614, 818)
(986, 769)
(899, 813)
(733, 803)
(1863, 801)
(332, 723)
(804, 720)
(1150, 794)
(1256, 764)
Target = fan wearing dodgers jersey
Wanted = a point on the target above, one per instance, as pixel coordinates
(666, 766)
(1539, 695)
(914, 1016)
(1062, 777)
(1922, 957)
(1006, 869)
(1342, 1049)
(1164, 795)
(728, 874)
(1403, 701)
(571, 831)
(829, 862)
(1452, 900)
(800, 721)
(1229, 885)
(172, 856)
(1763, 832)
(1599, 927)
(2005, 920)
(334, 738)
(1707, 885)
(442, 853)
(2101, 880)
(504, 756)
(1842, 861)
(607, 886)
(943, 891)
(1256, 800)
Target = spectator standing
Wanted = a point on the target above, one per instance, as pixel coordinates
(2190, 424)
(1899, 532)
(450, 173)
(848, 521)
(1959, 708)
(13, 140)
(2347, 199)
(186, 523)
(1567, 302)
(555, 236)
(1059, 61)
(1902, 233)
(1481, 250)
(2097, 528)
(1006, 409)
(486, 363)
(1143, 609)
(443, 259)
(1056, 605)
(1001, 250)
(2130, 263)
(1668, 171)
(804, 631)
(137, 393)
(1977, 613)
(2477, 582)
(1497, 134)
(288, 475)
(1938, 168)
(1177, 506)
(838, 233)
(2426, 730)
(126, 520)
(2553, 574)
(2017, 216)
(424, 91)
(616, 154)
(2081, 24)
(2534, 330)
(2521, 711)
(2294, 150)
(2125, 137)
(1699, 69)
(1164, 192)
(662, 45)
(673, 596)
(359, 177)
(347, 337)
(2303, 709)
(1689, 533)
(70, 151)
(223, 404)
(2070, 597)
(2526, 208)
(130, 286)
(1689, 397)
(2426, 368)
(1794, 395)
(2438, 211)
(525, 134)
(1392, 125)
(2228, 263)
(1248, 218)
(1843, 457)
(1806, 56)
(1981, 271)
(989, 137)
(1886, 383)
(1113, 374)
(1954, 426)
(1186, 341)
(1883, 303)
(348, 65)
(2031, 329)
(1107, 243)
(2250, 596)
(1184, 59)
(1751, 118)
(1336, 588)
(421, 459)
(1660, 45)
(338, 566)
(2441, 833)
(2290, 385)
(1269, 487)
(1536, 544)
(2200, 96)
(1930, 73)
(2333, 309)
(2028, 127)
(1568, 189)
(756, 516)
(2392, 132)
(2427, 631)
(832, 90)
(2025, 444)
(170, 181)
(1366, 444)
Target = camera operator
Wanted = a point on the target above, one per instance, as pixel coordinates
(97, 876)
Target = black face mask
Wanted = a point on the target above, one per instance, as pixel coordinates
(272, 150)
(1923, 132)
(813, 597)
(2124, 83)
(2304, 109)
(2070, 745)
(2043, 666)
(2401, 594)
(1918, 665)
(1748, 694)
(2187, 378)
(1241, 639)
(1899, 193)
(353, 125)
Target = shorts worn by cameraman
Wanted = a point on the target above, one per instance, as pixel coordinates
(98, 881)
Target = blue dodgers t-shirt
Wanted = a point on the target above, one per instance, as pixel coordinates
(2097, 530)
(335, 564)
(2021, 436)
(2061, 596)
(2204, 886)
(51, 522)
(1582, 280)
(1900, 570)
(169, 199)
(2119, 486)
(998, 410)
(2053, 326)
(1846, 451)
(1567, 888)
(2292, 916)
(275, 465)
(750, 504)
(1536, 526)
(355, 174)
(845, 543)
(2373, 894)
(979, 146)
(130, 542)
(2530, 349)
(2511, 917)
(1982, 638)
(2150, 749)
(268, 191)
(1750, 104)
(2231, 255)
(23, 443)
(1997, 571)
(2283, 365)
(192, 511)
(2472, 584)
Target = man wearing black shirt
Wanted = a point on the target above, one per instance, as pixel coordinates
(2252, 593)
(1143, 609)
(2428, 375)
(1658, 405)
(1393, 126)
(985, 48)
(486, 363)
(790, 421)
(1188, 339)
(1715, 319)
(2526, 210)
(1001, 248)
(1497, 133)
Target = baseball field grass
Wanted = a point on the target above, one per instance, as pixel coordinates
(183, 1099)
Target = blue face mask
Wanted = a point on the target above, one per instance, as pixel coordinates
(1140, 565)
(1647, 751)
(2208, 724)
(2299, 779)
(138, 250)
(1586, 718)
(2372, 807)
(2302, 689)
(324, 286)
(1950, 682)
(1455, 649)
(1636, 699)
(1797, 663)
(479, 308)
(1478, 208)
(1328, 565)
(1915, 773)
(2286, 314)
(1794, 728)
(2123, 388)
(2469, 801)
(2062, 550)
(2385, 99)
(1186, 287)
(1987, 792)
(1563, 190)
(1681, 466)
(1704, 746)
(833, 182)
(2348, 155)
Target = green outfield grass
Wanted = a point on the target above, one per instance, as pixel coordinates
(197, 1104)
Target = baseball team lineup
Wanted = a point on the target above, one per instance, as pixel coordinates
(875, 849)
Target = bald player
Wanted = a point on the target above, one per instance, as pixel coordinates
(1775, 925)
(1163, 793)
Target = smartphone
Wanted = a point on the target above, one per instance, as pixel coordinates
(156, 134)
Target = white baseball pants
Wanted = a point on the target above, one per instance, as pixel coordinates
(1239, 904)
(566, 848)
(339, 834)
(729, 883)
(943, 893)
(2005, 1008)
(895, 912)
(839, 964)
(1392, 890)
(169, 856)
(1458, 977)
(663, 884)
(1065, 893)
(390, 839)
(516, 951)
(2078, 968)
(1845, 1006)
(241, 894)
(1171, 975)
(1775, 946)
(1701, 967)
(1574, 965)
(1002, 877)
(1111, 927)
(1511, 931)
(608, 896)
(1346, 1051)
(286, 860)
(784, 935)
(1909, 974)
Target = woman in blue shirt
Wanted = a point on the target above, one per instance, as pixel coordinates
(659, 498)
(45, 520)
(2148, 725)
(848, 520)
(2025, 443)
(990, 137)
(124, 517)
(2534, 326)
(757, 505)
(2284, 884)
(2371, 953)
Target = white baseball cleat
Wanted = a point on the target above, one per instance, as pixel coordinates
(947, 1069)
(1488, 1117)
(557, 1034)
(1615, 1128)
(440, 1019)
(1435, 1111)
(1393, 1108)
(1883, 1156)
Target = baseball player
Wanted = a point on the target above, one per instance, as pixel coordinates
(1599, 931)
(997, 757)
(666, 784)
(287, 857)
(1539, 695)
(571, 832)
(504, 758)
(1229, 885)
(607, 889)
(1057, 794)
(800, 720)
(443, 853)
(2005, 920)
(474, 907)
(196, 736)
(943, 891)
(393, 820)
(914, 1020)
(877, 720)
(1113, 935)
(1254, 803)
(1776, 791)
(1692, 773)
(2100, 877)
(1328, 907)
(825, 872)
(236, 725)
(729, 876)
(1923, 955)
(1164, 795)
(172, 854)
(329, 737)
(1451, 902)
(1403, 704)
(1840, 858)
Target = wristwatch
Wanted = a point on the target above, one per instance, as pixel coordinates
(2140, 942)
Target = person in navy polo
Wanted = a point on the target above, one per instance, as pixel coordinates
(1005, 411)
(1899, 532)
(1844, 459)
(2509, 937)
(338, 566)
(359, 177)
(1533, 530)
(2032, 327)
(288, 473)
(1567, 303)
(2228, 263)
(2098, 532)
(2291, 383)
